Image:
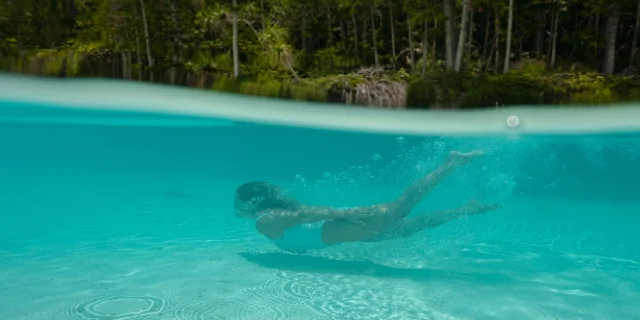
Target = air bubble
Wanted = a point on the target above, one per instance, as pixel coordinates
(301, 179)
(401, 140)
(377, 157)
(513, 121)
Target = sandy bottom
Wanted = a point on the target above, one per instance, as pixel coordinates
(177, 258)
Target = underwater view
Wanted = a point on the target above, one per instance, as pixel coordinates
(112, 214)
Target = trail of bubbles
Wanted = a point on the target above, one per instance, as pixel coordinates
(509, 167)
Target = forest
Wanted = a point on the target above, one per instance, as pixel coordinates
(378, 53)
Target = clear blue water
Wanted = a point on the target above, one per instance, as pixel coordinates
(114, 216)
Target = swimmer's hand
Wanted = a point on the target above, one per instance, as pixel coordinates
(460, 158)
(357, 215)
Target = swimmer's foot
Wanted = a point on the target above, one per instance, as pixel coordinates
(477, 207)
(460, 158)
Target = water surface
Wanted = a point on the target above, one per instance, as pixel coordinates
(124, 213)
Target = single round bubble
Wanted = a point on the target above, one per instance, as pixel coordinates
(513, 121)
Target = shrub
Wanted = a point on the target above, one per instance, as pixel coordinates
(529, 85)
(507, 89)
(272, 88)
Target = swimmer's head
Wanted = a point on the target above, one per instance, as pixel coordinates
(256, 196)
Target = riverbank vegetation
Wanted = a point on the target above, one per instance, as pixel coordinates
(379, 53)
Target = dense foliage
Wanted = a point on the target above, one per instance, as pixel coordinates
(428, 53)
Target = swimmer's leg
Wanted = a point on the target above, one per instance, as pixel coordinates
(341, 230)
(410, 226)
(418, 190)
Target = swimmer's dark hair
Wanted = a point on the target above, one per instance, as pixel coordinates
(271, 197)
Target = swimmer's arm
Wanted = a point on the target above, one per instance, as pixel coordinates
(277, 222)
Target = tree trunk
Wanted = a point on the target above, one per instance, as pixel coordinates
(485, 44)
(540, 35)
(550, 36)
(355, 31)
(262, 13)
(496, 44)
(176, 42)
(597, 43)
(487, 62)
(634, 43)
(520, 50)
(114, 66)
(554, 38)
(71, 15)
(434, 48)
(470, 37)
(129, 65)
(123, 56)
(146, 39)
(373, 37)
(365, 28)
(393, 37)
(463, 34)
(448, 30)
(507, 51)
(343, 34)
(234, 44)
(424, 47)
(610, 39)
(18, 22)
(138, 57)
(329, 28)
(172, 74)
(412, 54)
(303, 34)
(19, 28)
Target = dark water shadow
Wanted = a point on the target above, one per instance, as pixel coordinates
(176, 195)
(322, 265)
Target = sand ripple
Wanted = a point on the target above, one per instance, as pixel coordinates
(263, 300)
(117, 308)
(185, 313)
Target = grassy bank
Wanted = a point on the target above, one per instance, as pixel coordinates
(446, 90)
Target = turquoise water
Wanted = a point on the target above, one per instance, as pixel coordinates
(110, 215)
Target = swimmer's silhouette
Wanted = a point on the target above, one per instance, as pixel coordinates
(295, 227)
